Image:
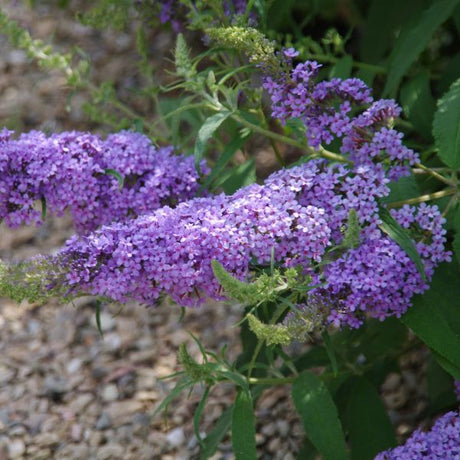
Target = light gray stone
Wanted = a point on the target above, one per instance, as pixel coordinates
(110, 392)
(16, 448)
(175, 437)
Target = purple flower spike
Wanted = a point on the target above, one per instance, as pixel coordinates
(339, 109)
(77, 172)
(299, 213)
(442, 442)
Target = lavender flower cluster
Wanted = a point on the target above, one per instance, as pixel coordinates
(299, 212)
(328, 109)
(170, 251)
(73, 171)
(441, 442)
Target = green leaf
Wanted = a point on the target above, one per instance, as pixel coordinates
(208, 128)
(456, 246)
(239, 176)
(404, 188)
(314, 357)
(434, 316)
(413, 40)
(450, 73)
(319, 416)
(198, 413)
(381, 339)
(369, 428)
(456, 18)
(232, 147)
(367, 76)
(249, 344)
(446, 126)
(181, 385)
(400, 236)
(98, 317)
(117, 175)
(330, 352)
(453, 370)
(212, 440)
(342, 68)
(384, 19)
(418, 103)
(235, 377)
(307, 451)
(456, 242)
(440, 386)
(243, 427)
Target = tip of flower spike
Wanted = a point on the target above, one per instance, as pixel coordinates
(247, 40)
(34, 281)
(272, 334)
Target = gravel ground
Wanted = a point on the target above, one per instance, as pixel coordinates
(65, 391)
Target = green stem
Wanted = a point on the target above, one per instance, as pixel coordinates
(254, 357)
(451, 203)
(278, 155)
(438, 170)
(271, 380)
(423, 198)
(404, 123)
(287, 140)
(436, 175)
(248, 9)
(360, 65)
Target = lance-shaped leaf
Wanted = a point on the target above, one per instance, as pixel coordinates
(208, 128)
(243, 427)
(412, 41)
(319, 416)
(368, 425)
(434, 317)
(446, 126)
(400, 236)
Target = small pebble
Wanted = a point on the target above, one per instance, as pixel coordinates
(175, 437)
(283, 428)
(103, 422)
(16, 448)
(76, 432)
(55, 388)
(47, 439)
(110, 452)
(74, 365)
(110, 392)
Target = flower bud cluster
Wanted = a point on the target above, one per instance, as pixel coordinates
(328, 110)
(81, 173)
(441, 442)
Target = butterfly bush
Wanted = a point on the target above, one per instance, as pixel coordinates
(441, 442)
(298, 216)
(327, 108)
(78, 172)
(299, 213)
